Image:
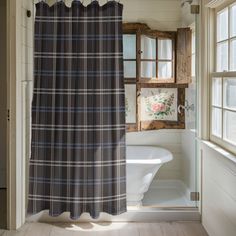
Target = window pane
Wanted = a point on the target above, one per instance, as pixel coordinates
(230, 93)
(130, 103)
(233, 55)
(148, 47)
(165, 49)
(164, 70)
(222, 25)
(129, 46)
(222, 56)
(217, 92)
(233, 21)
(148, 69)
(129, 69)
(230, 126)
(216, 121)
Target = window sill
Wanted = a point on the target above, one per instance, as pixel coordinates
(223, 152)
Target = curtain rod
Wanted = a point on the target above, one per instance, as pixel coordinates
(80, 0)
(28, 12)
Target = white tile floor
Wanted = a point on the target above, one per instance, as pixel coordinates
(165, 197)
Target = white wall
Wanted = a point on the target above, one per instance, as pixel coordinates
(189, 155)
(169, 139)
(218, 191)
(158, 14)
(27, 24)
(3, 95)
(26, 81)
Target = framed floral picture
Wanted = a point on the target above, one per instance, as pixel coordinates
(130, 103)
(159, 104)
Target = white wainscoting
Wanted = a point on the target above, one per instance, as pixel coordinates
(168, 139)
(218, 191)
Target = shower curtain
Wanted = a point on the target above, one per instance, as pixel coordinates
(77, 159)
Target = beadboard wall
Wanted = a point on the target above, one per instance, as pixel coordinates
(218, 191)
(169, 139)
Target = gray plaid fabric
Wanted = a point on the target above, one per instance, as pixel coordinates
(78, 112)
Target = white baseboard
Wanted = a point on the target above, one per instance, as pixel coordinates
(140, 215)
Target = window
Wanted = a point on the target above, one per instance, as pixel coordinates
(223, 80)
(157, 59)
(129, 55)
(153, 91)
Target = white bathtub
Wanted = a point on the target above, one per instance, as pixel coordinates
(143, 162)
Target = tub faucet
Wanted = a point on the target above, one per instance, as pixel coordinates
(186, 107)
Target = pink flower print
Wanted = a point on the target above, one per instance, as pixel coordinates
(158, 107)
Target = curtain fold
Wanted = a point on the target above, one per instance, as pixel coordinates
(77, 159)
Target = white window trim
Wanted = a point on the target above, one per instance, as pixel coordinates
(213, 59)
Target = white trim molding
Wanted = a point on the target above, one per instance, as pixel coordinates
(215, 3)
(15, 161)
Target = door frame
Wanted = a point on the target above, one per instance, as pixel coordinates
(15, 159)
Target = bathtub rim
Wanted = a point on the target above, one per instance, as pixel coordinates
(160, 160)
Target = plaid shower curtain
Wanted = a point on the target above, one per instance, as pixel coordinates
(77, 159)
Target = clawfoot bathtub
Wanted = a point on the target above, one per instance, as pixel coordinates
(143, 162)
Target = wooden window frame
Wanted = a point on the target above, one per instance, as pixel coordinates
(142, 29)
(158, 35)
(221, 141)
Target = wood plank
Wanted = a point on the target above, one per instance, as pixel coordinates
(111, 229)
(183, 55)
(146, 83)
(149, 229)
(193, 229)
